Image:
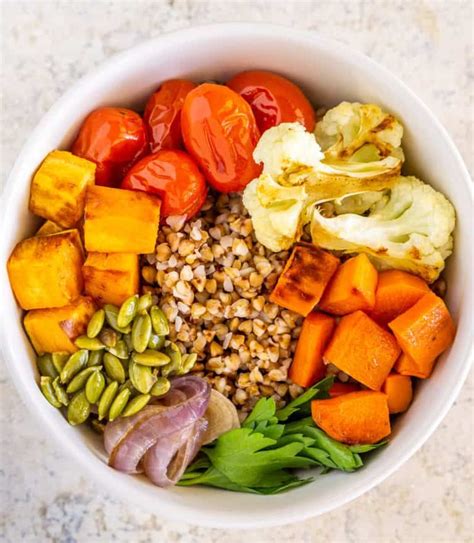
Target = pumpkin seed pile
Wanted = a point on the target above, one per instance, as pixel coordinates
(122, 362)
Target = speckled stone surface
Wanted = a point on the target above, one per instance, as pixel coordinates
(46, 46)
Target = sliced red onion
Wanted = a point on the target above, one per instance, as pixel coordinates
(127, 440)
(115, 431)
(165, 462)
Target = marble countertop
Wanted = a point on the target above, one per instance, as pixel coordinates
(46, 46)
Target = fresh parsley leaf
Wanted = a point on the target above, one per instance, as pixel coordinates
(339, 453)
(367, 448)
(302, 403)
(298, 426)
(263, 411)
(241, 456)
(291, 438)
(273, 431)
(322, 457)
(213, 477)
(288, 486)
(357, 461)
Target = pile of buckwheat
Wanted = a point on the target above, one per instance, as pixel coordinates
(212, 279)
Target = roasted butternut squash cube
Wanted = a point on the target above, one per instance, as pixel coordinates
(58, 188)
(46, 271)
(304, 278)
(53, 330)
(48, 228)
(120, 221)
(111, 278)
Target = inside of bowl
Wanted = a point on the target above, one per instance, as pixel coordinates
(328, 74)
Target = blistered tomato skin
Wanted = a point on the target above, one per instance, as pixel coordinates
(174, 176)
(163, 114)
(273, 99)
(114, 138)
(220, 132)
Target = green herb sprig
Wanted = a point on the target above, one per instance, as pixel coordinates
(261, 456)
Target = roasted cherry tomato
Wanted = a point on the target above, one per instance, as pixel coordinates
(163, 114)
(220, 132)
(338, 389)
(114, 138)
(273, 99)
(174, 176)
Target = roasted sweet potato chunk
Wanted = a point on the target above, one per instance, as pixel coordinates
(111, 278)
(120, 221)
(46, 271)
(58, 188)
(304, 278)
(362, 349)
(52, 330)
(357, 417)
(48, 228)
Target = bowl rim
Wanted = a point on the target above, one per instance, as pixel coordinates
(103, 70)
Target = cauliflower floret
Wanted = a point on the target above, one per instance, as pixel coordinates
(359, 140)
(411, 229)
(288, 149)
(278, 225)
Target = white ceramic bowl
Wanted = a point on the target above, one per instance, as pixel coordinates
(328, 72)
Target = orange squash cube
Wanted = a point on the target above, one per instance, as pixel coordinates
(399, 392)
(351, 288)
(45, 271)
(111, 278)
(396, 292)
(362, 349)
(58, 188)
(308, 365)
(304, 278)
(424, 331)
(120, 221)
(53, 330)
(48, 228)
(357, 417)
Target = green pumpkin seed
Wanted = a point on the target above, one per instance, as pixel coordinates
(97, 426)
(159, 321)
(141, 332)
(136, 404)
(187, 363)
(60, 393)
(95, 324)
(78, 409)
(109, 337)
(95, 386)
(127, 311)
(161, 387)
(59, 360)
(46, 386)
(114, 368)
(46, 366)
(151, 358)
(74, 365)
(106, 399)
(120, 350)
(127, 339)
(172, 350)
(111, 314)
(141, 377)
(91, 344)
(127, 384)
(144, 302)
(156, 342)
(118, 405)
(95, 358)
(80, 380)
